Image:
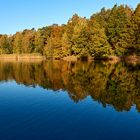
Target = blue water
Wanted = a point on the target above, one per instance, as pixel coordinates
(69, 101)
(34, 113)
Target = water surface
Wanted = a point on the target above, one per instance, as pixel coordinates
(57, 100)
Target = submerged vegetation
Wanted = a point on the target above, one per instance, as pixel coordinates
(110, 32)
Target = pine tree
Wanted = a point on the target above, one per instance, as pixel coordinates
(136, 29)
(117, 29)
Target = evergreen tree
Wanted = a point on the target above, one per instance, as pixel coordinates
(116, 29)
(80, 38)
(136, 29)
(98, 45)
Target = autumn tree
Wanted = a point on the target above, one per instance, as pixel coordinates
(27, 41)
(17, 43)
(4, 45)
(53, 47)
(109, 32)
(40, 40)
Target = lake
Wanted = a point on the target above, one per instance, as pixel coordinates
(58, 100)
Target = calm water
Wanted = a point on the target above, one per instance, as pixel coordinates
(69, 101)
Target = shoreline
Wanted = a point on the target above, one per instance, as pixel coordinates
(21, 57)
(38, 57)
(130, 58)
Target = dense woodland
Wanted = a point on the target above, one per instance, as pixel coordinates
(117, 84)
(110, 32)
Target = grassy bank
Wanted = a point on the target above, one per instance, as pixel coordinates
(38, 57)
(20, 57)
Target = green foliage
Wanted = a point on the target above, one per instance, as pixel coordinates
(117, 31)
(102, 17)
(80, 38)
(99, 46)
(136, 29)
(113, 31)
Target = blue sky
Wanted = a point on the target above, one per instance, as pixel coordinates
(17, 15)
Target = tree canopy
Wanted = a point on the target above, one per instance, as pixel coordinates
(109, 32)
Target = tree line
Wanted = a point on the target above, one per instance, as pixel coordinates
(110, 32)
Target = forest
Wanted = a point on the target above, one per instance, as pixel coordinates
(110, 32)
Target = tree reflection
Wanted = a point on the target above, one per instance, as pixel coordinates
(110, 84)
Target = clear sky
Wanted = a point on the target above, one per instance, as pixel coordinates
(17, 15)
